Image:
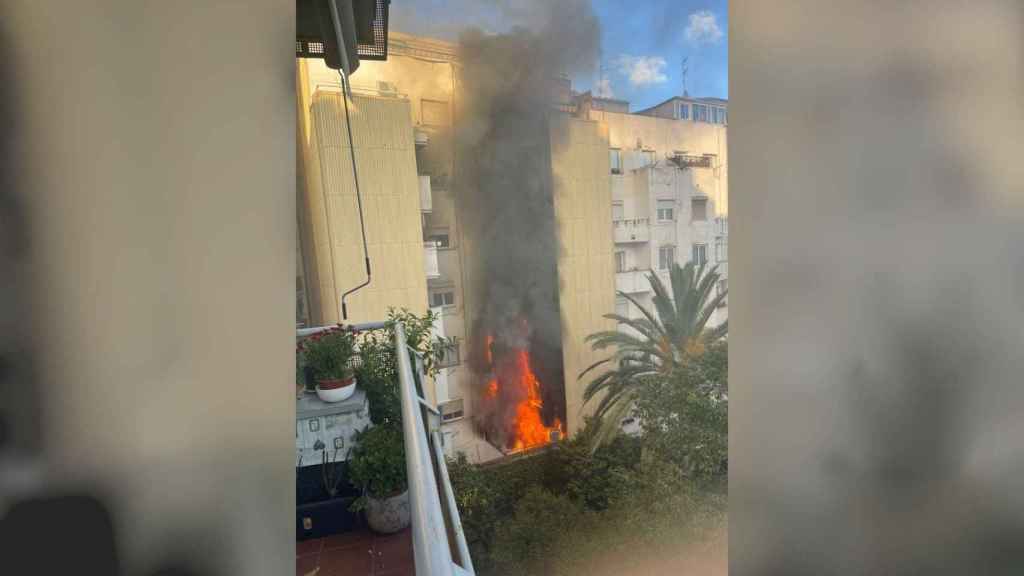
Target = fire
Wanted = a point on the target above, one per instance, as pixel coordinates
(528, 428)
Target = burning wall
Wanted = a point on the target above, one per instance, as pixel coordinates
(504, 193)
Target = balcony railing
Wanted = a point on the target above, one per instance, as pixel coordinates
(627, 231)
(691, 160)
(434, 525)
(426, 194)
(430, 264)
(632, 281)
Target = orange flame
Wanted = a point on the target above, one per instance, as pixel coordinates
(529, 430)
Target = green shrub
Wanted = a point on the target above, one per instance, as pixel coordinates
(527, 542)
(329, 354)
(685, 417)
(376, 463)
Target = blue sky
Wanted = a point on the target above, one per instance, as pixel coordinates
(643, 42)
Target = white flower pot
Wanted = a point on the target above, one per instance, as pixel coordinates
(336, 394)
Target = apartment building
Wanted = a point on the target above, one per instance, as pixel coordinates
(669, 180)
(402, 113)
(632, 193)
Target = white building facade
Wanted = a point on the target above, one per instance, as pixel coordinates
(669, 191)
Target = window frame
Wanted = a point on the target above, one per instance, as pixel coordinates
(721, 250)
(433, 235)
(442, 293)
(671, 210)
(617, 153)
(618, 254)
(703, 252)
(694, 201)
(666, 263)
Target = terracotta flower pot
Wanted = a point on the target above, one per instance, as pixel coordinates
(335, 389)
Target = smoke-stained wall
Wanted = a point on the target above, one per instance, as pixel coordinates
(504, 190)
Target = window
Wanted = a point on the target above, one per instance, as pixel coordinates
(699, 209)
(620, 261)
(446, 298)
(700, 113)
(723, 288)
(723, 226)
(450, 411)
(449, 355)
(441, 239)
(683, 111)
(725, 119)
(621, 307)
(615, 158)
(617, 211)
(434, 112)
(647, 157)
(666, 210)
(666, 256)
(721, 250)
(716, 115)
(700, 254)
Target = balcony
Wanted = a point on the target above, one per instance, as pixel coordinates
(426, 194)
(632, 281)
(628, 231)
(435, 536)
(421, 137)
(430, 264)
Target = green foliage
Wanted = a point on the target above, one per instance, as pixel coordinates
(377, 371)
(527, 542)
(554, 513)
(376, 463)
(329, 354)
(418, 337)
(685, 417)
(665, 340)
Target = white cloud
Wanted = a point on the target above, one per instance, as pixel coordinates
(642, 70)
(603, 88)
(703, 28)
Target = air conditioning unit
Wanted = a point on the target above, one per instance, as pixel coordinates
(451, 410)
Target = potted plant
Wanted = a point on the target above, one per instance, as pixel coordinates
(376, 465)
(329, 355)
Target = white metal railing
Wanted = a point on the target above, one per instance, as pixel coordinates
(423, 451)
(431, 548)
(628, 230)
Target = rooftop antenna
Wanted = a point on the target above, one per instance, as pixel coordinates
(685, 70)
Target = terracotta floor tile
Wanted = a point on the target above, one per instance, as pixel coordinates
(360, 538)
(353, 561)
(306, 564)
(307, 547)
(393, 552)
(407, 570)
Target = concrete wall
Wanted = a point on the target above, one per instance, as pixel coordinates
(582, 196)
(386, 162)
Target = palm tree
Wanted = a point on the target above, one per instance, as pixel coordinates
(665, 340)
